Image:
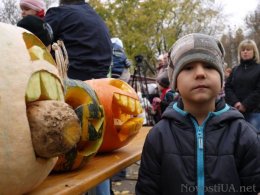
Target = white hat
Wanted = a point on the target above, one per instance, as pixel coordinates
(117, 41)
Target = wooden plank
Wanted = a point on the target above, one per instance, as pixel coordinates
(101, 167)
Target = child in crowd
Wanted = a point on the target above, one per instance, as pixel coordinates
(33, 7)
(201, 145)
(120, 63)
(167, 95)
(38, 27)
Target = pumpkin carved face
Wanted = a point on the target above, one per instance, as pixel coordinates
(121, 106)
(27, 74)
(91, 115)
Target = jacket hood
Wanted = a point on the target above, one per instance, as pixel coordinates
(221, 115)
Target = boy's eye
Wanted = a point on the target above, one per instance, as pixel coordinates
(208, 66)
(188, 67)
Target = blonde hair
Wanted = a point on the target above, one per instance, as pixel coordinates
(248, 43)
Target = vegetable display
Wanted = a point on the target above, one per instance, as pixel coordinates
(51, 123)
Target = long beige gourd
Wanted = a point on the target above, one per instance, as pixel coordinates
(20, 169)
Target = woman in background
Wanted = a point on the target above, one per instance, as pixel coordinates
(242, 88)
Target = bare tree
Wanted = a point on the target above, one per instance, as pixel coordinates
(9, 12)
(253, 24)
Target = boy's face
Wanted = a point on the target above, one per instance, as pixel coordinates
(198, 82)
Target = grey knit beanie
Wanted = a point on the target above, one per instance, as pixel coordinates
(195, 47)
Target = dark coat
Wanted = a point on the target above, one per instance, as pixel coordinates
(120, 61)
(243, 85)
(86, 38)
(179, 155)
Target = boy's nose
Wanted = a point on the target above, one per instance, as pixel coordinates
(200, 71)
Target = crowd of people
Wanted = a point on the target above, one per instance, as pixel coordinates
(206, 114)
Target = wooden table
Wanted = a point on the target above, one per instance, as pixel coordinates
(97, 170)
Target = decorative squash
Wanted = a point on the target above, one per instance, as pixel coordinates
(83, 99)
(121, 107)
(28, 74)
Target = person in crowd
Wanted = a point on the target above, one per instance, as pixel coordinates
(162, 63)
(242, 88)
(166, 94)
(153, 91)
(33, 7)
(227, 72)
(38, 27)
(85, 36)
(159, 104)
(201, 142)
(147, 107)
(120, 63)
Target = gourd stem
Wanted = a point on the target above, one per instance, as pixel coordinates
(61, 58)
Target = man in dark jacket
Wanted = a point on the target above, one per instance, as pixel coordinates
(201, 146)
(86, 38)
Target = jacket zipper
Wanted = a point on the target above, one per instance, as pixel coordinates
(200, 157)
(200, 160)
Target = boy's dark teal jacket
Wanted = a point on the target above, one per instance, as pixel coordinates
(180, 157)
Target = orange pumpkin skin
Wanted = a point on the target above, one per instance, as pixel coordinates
(122, 125)
(20, 169)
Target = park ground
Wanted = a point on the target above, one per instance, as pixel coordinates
(127, 185)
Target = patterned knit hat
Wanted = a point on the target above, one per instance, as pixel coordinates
(36, 5)
(195, 47)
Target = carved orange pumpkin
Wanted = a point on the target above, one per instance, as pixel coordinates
(121, 106)
(27, 74)
(91, 114)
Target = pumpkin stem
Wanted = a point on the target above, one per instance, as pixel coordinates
(61, 58)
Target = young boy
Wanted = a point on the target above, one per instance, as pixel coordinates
(201, 145)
